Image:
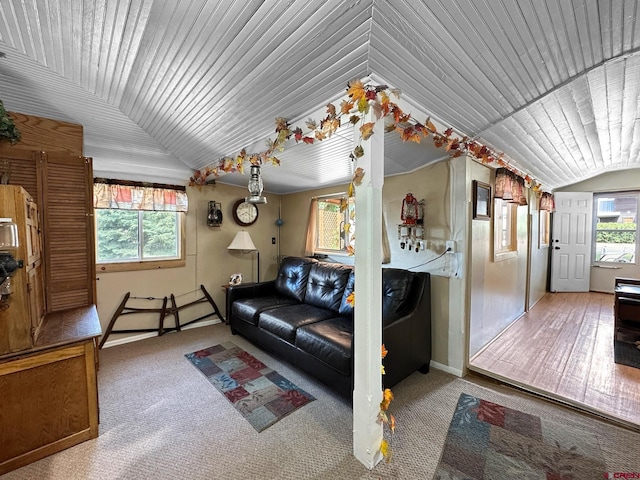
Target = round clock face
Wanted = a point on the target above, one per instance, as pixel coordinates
(245, 213)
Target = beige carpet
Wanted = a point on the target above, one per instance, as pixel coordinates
(161, 419)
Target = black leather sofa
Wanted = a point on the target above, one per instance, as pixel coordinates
(303, 316)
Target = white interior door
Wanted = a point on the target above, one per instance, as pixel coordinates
(571, 242)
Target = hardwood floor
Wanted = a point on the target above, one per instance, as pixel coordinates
(563, 348)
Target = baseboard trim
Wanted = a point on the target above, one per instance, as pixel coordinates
(446, 368)
(143, 336)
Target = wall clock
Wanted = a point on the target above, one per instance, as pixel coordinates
(244, 213)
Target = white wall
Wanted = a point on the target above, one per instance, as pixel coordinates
(539, 262)
(497, 289)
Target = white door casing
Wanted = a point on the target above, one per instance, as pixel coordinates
(571, 242)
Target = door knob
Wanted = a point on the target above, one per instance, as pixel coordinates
(556, 248)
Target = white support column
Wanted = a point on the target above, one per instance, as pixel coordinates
(367, 393)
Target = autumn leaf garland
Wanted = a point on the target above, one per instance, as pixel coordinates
(384, 417)
(361, 98)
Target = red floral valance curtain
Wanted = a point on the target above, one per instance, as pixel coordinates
(129, 196)
(510, 187)
(547, 202)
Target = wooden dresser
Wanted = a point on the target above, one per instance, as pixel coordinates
(49, 393)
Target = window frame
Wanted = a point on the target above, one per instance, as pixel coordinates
(597, 196)
(501, 252)
(152, 264)
(544, 229)
(347, 218)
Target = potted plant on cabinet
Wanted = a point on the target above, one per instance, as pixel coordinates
(8, 129)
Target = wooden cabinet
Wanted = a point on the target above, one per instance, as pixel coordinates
(49, 392)
(22, 315)
(48, 163)
(62, 186)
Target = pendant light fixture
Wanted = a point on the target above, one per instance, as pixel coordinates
(255, 186)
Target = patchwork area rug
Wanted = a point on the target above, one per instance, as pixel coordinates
(488, 441)
(260, 394)
(626, 353)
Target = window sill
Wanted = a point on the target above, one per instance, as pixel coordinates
(502, 256)
(133, 266)
(331, 253)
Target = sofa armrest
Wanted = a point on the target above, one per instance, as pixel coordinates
(417, 303)
(237, 292)
(407, 334)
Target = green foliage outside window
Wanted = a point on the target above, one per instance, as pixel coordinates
(331, 231)
(160, 234)
(329, 219)
(131, 235)
(612, 232)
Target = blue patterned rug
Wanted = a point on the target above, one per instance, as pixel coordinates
(260, 394)
(488, 441)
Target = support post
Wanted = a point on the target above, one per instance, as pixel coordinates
(367, 393)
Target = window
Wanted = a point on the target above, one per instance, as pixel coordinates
(137, 235)
(505, 238)
(544, 228)
(616, 227)
(138, 227)
(335, 229)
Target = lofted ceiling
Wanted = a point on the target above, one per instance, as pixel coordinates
(164, 87)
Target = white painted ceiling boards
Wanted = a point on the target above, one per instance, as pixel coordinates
(164, 87)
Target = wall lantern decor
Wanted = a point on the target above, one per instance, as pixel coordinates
(214, 214)
(411, 231)
(255, 186)
(409, 214)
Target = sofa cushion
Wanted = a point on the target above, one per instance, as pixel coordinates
(329, 341)
(248, 309)
(346, 309)
(326, 284)
(283, 321)
(293, 276)
(395, 287)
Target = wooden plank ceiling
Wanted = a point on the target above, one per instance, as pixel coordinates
(166, 87)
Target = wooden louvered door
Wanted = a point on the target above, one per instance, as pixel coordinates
(24, 171)
(67, 210)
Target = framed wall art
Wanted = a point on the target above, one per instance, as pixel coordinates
(481, 201)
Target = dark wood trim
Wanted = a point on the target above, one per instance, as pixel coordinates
(131, 183)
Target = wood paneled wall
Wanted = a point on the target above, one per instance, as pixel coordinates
(38, 133)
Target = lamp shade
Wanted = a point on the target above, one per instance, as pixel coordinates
(242, 241)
